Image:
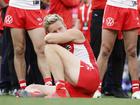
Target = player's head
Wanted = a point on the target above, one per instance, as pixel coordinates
(54, 23)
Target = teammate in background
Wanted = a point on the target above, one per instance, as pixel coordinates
(120, 15)
(84, 18)
(70, 66)
(64, 9)
(112, 82)
(138, 44)
(26, 15)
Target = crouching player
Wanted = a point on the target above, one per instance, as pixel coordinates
(73, 66)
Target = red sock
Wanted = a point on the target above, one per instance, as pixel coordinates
(61, 89)
(135, 86)
(22, 84)
(48, 81)
(100, 86)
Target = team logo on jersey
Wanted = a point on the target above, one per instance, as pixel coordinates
(40, 21)
(68, 47)
(87, 67)
(137, 18)
(109, 21)
(8, 19)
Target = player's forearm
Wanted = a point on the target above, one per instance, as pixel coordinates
(56, 38)
(71, 35)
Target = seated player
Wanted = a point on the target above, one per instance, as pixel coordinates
(70, 60)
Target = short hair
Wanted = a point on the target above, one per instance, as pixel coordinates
(50, 19)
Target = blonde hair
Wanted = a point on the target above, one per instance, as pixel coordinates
(50, 19)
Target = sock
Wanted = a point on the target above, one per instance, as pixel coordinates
(61, 89)
(48, 81)
(135, 86)
(100, 86)
(22, 84)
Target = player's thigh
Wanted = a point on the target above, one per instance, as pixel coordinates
(37, 36)
(70, 62)
(130, 39)
(108, 39)
(18, 38)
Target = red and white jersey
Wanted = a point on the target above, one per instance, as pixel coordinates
(123, 3)
(84, 14)
(83, 51)
(64, 9)
(25, 4)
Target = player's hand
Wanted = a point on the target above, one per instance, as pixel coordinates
(47, 38)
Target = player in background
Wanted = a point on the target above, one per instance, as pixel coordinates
(84, 18)
(64, 9)
(26, 15)
(112, 82)
(120, 15)
(138, 45)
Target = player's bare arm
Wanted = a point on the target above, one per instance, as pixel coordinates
(64, 37)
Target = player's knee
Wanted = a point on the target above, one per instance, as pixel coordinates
(131, 51)
(49, 47)
(19, 51)
(105, 50)
(39, 49)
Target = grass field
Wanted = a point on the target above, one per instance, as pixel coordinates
(10, 100)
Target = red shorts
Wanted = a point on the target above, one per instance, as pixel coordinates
(117, 18)
(87, 84)
(21, 18)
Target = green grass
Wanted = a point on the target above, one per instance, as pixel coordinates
(10, 100)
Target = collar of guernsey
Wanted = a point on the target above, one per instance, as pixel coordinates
(123, 3)
(25, 4)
